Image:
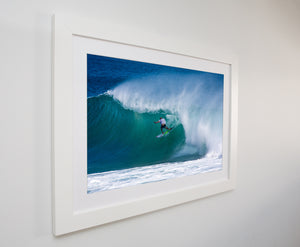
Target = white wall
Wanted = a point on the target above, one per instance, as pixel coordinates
(262, 211)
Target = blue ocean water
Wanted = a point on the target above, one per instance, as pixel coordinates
(105, 73)
(125, 98)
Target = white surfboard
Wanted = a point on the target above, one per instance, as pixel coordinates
(164, 134)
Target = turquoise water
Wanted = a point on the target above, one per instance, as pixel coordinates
(122, 138)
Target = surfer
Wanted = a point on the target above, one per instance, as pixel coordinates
(163, 125)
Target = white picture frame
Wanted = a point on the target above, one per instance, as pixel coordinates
(73, 208)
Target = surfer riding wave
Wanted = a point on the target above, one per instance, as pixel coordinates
(163, 124)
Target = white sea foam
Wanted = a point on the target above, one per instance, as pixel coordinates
(140, 175)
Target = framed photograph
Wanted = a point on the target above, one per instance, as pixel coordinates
(140, 123)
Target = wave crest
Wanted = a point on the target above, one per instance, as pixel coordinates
(187, 99)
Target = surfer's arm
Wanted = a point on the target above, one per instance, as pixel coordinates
(156, 122)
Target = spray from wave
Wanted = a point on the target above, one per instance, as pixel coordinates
(190, 100)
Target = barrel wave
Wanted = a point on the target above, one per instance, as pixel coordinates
(121, 129)
(121, 138)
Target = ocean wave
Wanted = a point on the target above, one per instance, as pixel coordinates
(194, 101)
(121, 132)
(119, 138)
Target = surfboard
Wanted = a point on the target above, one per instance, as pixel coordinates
(164, 134)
